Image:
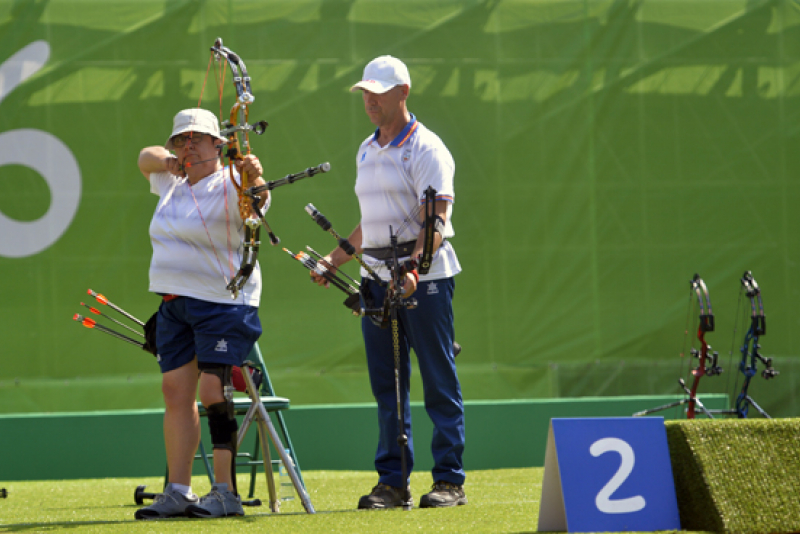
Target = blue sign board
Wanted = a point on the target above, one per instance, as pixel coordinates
(608, 475)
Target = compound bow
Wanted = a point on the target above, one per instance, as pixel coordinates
(749, 350)
(704, 354)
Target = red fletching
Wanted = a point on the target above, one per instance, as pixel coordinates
(100, 298)
(85, 321)
(92, 309)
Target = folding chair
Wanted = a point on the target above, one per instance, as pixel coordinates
(256, 408)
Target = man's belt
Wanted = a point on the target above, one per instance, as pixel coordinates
(385, 253)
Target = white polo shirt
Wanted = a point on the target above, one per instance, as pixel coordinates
(391, 183)
(184, 260)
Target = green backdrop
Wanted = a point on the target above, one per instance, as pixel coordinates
(606, 152)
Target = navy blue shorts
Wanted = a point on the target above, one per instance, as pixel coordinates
(216, 333)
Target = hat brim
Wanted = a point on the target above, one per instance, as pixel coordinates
(373, 86)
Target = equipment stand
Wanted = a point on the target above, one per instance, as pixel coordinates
(259, 414)
(690, 399)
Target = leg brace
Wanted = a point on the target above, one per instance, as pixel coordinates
(222, 422)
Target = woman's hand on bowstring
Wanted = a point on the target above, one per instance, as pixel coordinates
(173, 166)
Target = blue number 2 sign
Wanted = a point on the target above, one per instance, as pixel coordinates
(608, 474)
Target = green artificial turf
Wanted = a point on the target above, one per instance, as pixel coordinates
(737, 475)
(500, 501)
(730, 475)
(504, 500)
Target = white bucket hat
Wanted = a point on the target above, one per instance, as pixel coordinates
(383, 73)
(194, 120)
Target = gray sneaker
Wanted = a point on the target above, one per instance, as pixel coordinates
(218, 503)
(168, 504)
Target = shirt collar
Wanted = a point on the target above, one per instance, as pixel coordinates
(403, 136)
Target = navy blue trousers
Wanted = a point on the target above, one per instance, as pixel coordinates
(428, 330)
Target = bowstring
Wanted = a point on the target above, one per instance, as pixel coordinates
(203, 88)
(410, 218)
(219, 76)
(691, 318)
(739, 314)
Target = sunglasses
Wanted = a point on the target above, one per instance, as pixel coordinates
(179, 141)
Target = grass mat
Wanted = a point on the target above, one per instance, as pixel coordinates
(503, 500)
(499, 501)
(737, 475)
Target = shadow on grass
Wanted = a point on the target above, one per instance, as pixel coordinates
(44, 527)
(251, 516)
(58, 525)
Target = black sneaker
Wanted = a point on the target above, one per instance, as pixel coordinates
(443, 494)
(384, 497)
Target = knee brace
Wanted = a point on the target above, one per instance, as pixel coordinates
(223, 426)
(221, 420)
(221, 371)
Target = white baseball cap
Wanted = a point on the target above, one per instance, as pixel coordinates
(194, 120)
(383, 73)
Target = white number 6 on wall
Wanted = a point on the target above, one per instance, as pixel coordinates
(603, 500)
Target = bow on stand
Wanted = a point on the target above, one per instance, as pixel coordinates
(750, 355)
(707, 365)
(704, 353)
(249, 197)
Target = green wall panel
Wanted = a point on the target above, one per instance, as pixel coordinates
(129, 443)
